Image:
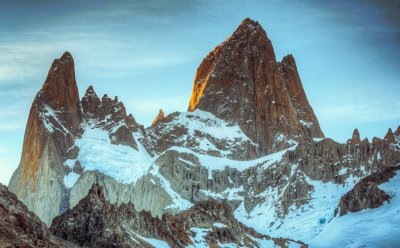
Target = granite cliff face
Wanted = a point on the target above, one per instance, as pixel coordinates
(53, 123)
(249, 153)
(241, 81)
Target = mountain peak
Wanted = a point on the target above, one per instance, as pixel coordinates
(159, 117)
(249, 25)
(90, 89)
(241, 81)
(66, 57)
(60, 89)
(355, 138)
(397, 132)
(356, 134)
(251, 37)
(390, 136)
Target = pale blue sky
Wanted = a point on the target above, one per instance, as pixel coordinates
(147, 54)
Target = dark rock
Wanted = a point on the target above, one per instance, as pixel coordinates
(19, 227)
(366, 194)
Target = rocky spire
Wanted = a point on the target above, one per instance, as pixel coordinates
(355, 139)
(397, 132)
(159, 117)
(53, 123)
(241, 81)
(390, 136)
(91, 103)
(60, 91)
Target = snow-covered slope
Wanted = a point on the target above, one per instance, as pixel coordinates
(303, 223)
(96, 152)
(202, 132)
(312, 221)
(379, 227)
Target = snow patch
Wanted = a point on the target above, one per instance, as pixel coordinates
(70, 179)
(307, 124)
(123, 163)
(218, 163)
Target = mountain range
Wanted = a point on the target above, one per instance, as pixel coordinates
(246, 166)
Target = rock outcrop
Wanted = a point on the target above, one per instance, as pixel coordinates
(241, 81)
(201, 132)
(109, 115)
(94, 222)
(19, 227)
(366, 193)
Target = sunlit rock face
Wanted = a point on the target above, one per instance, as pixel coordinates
(158, 118)
(241, 81)
(53, 123)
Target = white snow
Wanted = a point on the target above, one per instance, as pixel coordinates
(208, 123)
(306, 123)
(219, 225)
(70, 179)
(217, 163)
(229, 193)
(120, 162)
(263, 242)
(152, 241)
(377, 227)
(155, 242)
(198, 238)
(343, 171)
(204, 129)
(47, 115)
(177, 201)
(302, 223)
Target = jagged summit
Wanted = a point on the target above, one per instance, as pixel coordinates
(248, 28)
(60, 89)
(159, 117)
(390, 136)
(66, 57)
(241, 81)
(355, 138)
(90, 90)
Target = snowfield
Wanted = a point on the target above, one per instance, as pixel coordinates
(313, 223)
(96, 152)
(379, 227)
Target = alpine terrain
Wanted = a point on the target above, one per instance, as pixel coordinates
(247, 166)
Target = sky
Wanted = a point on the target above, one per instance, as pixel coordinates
(147, 53)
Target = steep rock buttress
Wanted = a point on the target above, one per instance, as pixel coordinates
(53, 122)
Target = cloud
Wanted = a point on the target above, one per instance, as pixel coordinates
(361, 113)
